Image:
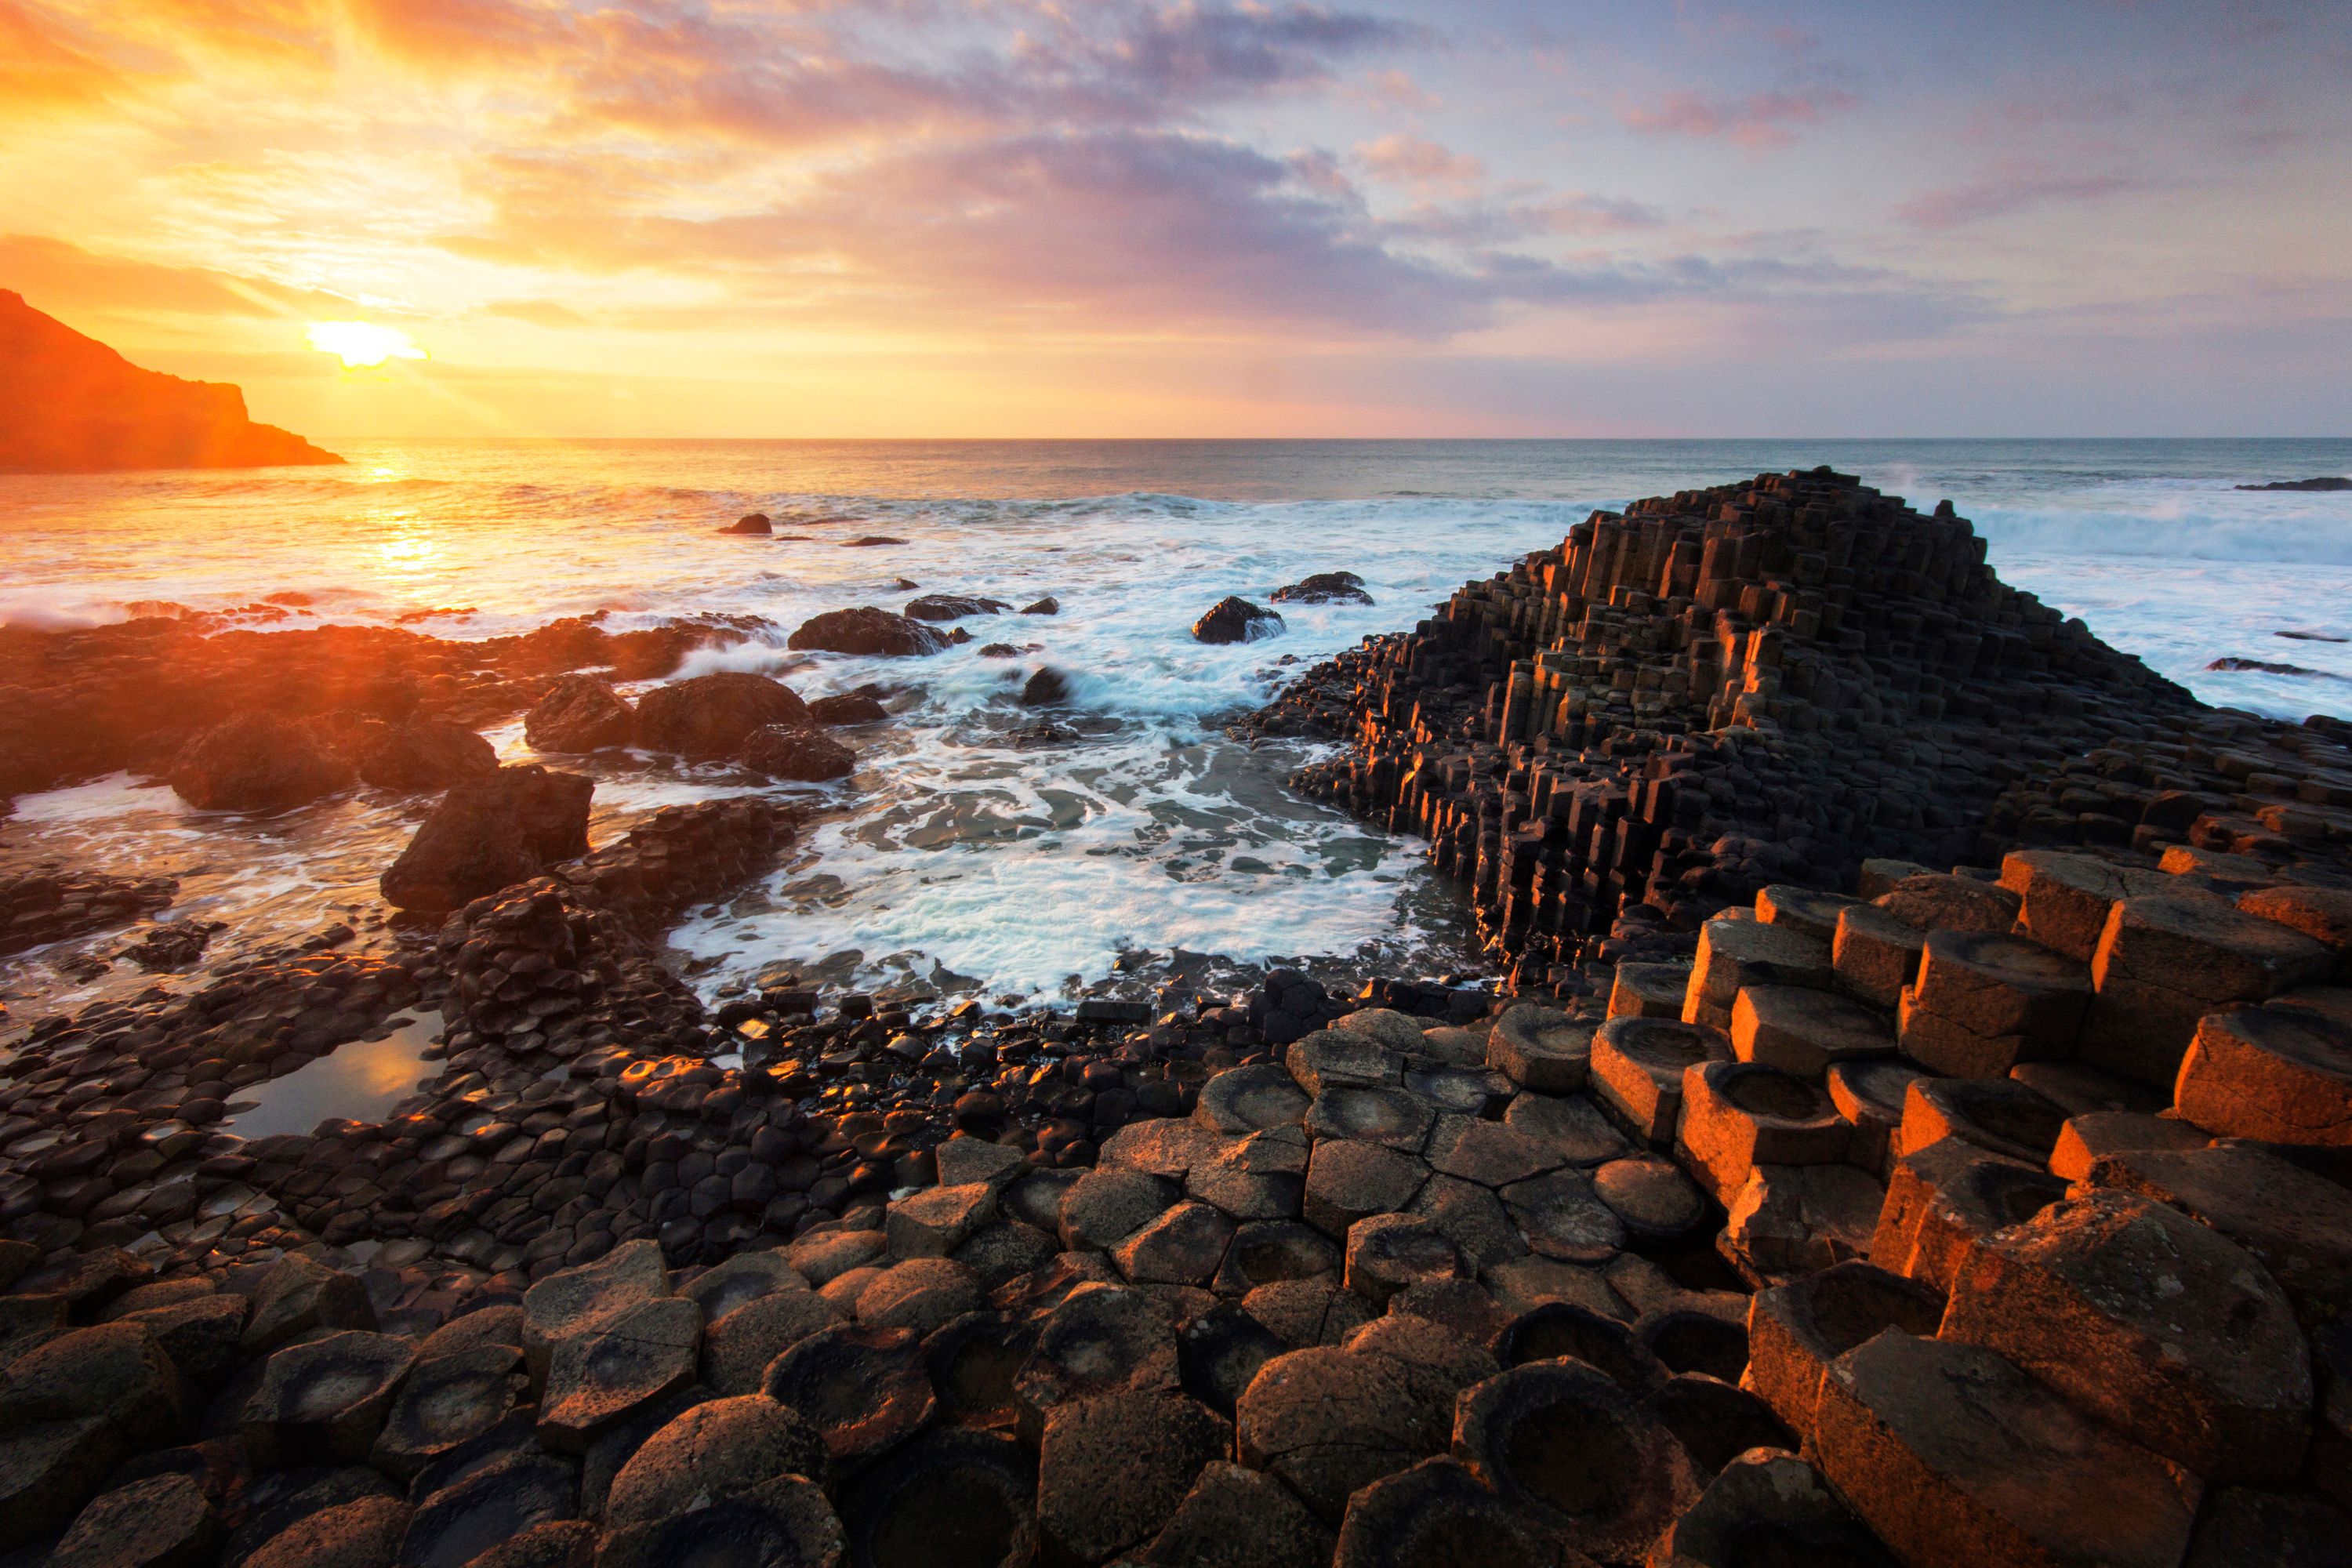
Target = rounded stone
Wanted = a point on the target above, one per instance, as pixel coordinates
(862, 1389)
(164, 1521)
(715, 1450)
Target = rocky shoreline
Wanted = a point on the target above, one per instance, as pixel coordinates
(1916, 1129)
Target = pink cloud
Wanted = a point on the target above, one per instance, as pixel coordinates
(2011, 188)
(1417, 161)
(1759, 121)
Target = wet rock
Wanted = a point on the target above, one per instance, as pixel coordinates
(366, 1533)
(579, 713)
(258, 761)
(864, 1390)
(713, 716)
(1952, 1457)
(1324, 588)
(847, 708)
(1328, 1421)
(1235, 1518)
(752, 524)
(1048, 605)
(809, 756)
(2165, 1328)
(1234, 619)
(457, 1523)
(866, 630)
(713, 1451)
(420, 754)
(1112, 1470)
(1423, 1515)
(953, 606)
(448, 1400)
(325, 1398)
(950, 1497)
(602, 1376)
(490, 833)
(1564, 1442)
(1770, 1508)
(738, 1347)
(1046, 688)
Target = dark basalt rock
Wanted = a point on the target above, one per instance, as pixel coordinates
(324, 1399)
(447, 1401)
(164, 1521)
(426, 754)
(848, 707)
(1048, 605)
(1324, 588)
(869, 542)
(459, 1523)
(862, 1389)
(710, 716)
(866, 630)
(1048, 687)
(2328, 482)
(949, 1498)
(579, 713)
(754, 525)
(1234, 619)
(809, 756)
(258, 761)
(488, 834)
(1425, 1516)
(718, 1449)
(785, 1522)
(953, 606)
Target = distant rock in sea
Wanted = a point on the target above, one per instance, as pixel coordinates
(70, 405)
(2325, 482)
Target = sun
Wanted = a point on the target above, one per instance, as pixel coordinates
(363, 343)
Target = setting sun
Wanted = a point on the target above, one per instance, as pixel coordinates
(363, 343)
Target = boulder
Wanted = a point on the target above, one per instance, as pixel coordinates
(420, 754)
(324, 1400)
(1046, 688)
(846, 707)
(1324, 588)
(446, 1401)
(862, 1389)
(604, 1376)
(752, 524)
(163, 1522)
(298, 1295)
(717, 1449)
(258, 761)
(953, 606)
(866, 630)
(579, 713)
(808, 757)
(490, 833)
(711, 716)
(1234, 619)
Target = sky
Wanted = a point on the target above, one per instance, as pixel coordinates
(1030, 218)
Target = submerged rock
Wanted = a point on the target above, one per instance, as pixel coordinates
(848, 707)
(711, 716)
(2325, 482)
(1234, 619)
(782, 752)
(1325, 588)
(1046, 689)
(953, 606)
(754, 524)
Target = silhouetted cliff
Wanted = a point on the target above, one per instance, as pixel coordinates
(68, 404)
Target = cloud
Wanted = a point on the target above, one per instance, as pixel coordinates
(2011, 188)
(1758, 122)
(53, 275)
(40, 71)
(1416, 161)
(537, 313)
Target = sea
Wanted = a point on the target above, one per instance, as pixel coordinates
(969, 853)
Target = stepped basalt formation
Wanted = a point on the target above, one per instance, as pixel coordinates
(1922, 1135)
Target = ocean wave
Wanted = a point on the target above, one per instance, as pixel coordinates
(2198, 528)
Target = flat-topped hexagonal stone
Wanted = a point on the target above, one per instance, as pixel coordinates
(1472, 1217)
(2066, 897)
(1388, 1027)
(162, 1521)
(2163, 1327)
(718, 1449)
(1791, 1219)
(737, 1349)
(2278, 1074)
(1944, 1201)
(1995, 1113)
(1649, 990)
(365, 1533)
(462, 1520)
(1563, 1218)
(1736, 1114)
(1541, 1049)
(1524, 1284)
(1303, 1312)
(1237, 1518)
(1994, 989)
(1796, 1328)
(1875, 953)
(1347, 1180)
(825, 1256)
(1266, 1251)
(298, 1294)
(1805, 1031)
(1391, 1117)
(1953, 1457)
(1814, 914)
(1716, 1421)
(784, 1522)
(1161, 1146)
(1477, 1090)
(1453, 1045)
(919, 1295)
(1637, 1069)
(2298, 1224)
(1569, 1126)
(1329, 1422)
(1563, 1442)
(114, 1373)
(1939, 900)
(746, 1277)
(1104, 1208)
(601, 1376)
(2323, 914)
(446, 1401)
(2087, 1138)
(1733, 953)
(1102, 1339)
(1649, 1196)
(972, 1362)
(1219, 1352)
(964, 1159)
(936, 1221)
(1262, 1176)
(1342, 1059)
(574, 1300)
(864, 1390)
(1250, 1100)
(949, 1497)
(1184, 1246)
(1112, 1470)
(1491, 1153)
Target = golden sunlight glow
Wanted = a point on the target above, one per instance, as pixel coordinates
(363, 343)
